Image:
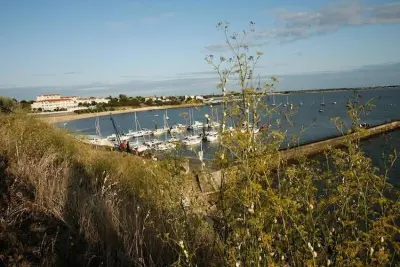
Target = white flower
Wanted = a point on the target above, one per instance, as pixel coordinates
(328, 262)
(238, 263)
(181, 243)
(315, 254)
(311, 206)
(275, 220)
(382, 240)
(371, 251)
(283, 257)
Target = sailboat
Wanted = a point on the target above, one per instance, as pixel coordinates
(213, 123)
(194, 124)
(166, 114)
(287, 101)
(138, 132)
(165, 145)
(98, 139)
(273, 99)
(165, 128)
(323, 101)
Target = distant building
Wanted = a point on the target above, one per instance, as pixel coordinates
(51, 102)
(48, 97)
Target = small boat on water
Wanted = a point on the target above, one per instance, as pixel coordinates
(177, 128)
(287, 101)
(165, 146)
(98, 139)
(192, 140)
(273, 100)
(195, 125)
(323, 101)
(212, 136)
(320, 110)
(174, 140)
(138, 132)
(152, 143)
(334, 103)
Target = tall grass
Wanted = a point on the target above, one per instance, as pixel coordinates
(119, 209)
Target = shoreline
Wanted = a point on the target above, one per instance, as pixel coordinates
(56, 118)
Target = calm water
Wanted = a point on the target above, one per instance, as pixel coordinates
(317, 124)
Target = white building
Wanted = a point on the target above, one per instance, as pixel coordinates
(48, 97)
(51, 102)
(54, 104)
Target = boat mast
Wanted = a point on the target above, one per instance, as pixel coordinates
(97, 124)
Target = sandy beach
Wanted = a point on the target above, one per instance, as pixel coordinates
(56, 118)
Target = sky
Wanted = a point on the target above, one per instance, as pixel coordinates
(157, 47)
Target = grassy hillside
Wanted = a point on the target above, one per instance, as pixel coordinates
(67, 204)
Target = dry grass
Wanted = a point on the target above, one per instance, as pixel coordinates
(110, 209)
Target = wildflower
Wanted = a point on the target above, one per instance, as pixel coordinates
(238, 263)
(382, 240)
(311, 206)
(315, 254)
(283, 258)
(181, 244)
(371, 251)
(251, 208)
(275, 220)
(328, 262)
(310, 247)
(186, 253)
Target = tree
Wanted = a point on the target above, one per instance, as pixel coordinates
(123, 98)
(149, 102)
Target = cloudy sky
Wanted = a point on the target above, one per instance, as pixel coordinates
(146, 47)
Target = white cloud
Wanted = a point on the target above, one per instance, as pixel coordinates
(294, 26)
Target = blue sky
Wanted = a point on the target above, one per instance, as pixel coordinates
(148, 47)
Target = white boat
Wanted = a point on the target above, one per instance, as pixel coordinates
(166, 114)
(287, 101)
(192, 140)
(165, 146)
(140, 148)
(214, 124)
(323, 101)
(273, 100)
(334, 102)
(98, 141)
(152, 143)
(196, 125)
(212, 136)
(177, 129)
(160, 131)
(174, 140)
(138, 132)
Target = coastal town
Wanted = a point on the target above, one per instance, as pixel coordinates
(56, 103)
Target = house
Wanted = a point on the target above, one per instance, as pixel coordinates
(52, 102)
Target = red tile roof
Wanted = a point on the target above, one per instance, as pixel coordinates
(55, 100)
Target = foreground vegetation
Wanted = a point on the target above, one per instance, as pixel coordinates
(67, 204)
